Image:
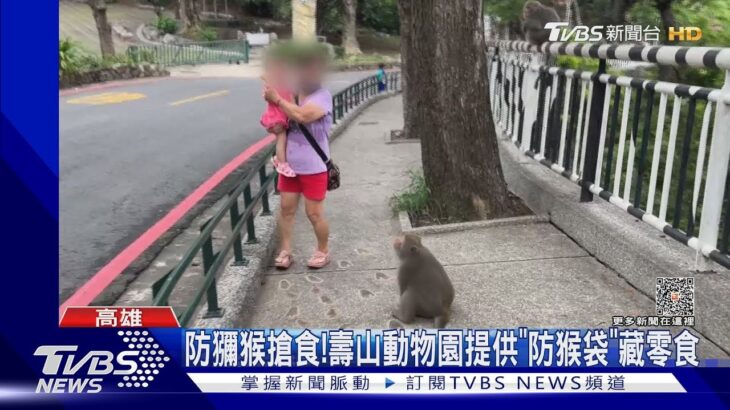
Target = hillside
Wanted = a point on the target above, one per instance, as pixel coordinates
(76, 22)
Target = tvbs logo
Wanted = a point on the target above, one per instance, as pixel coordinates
(69, 372)
(559, 31)
(684, 34)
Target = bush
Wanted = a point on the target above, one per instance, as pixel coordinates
(166, 25)
(69, 56)
(207, 34)
(415, 198)
(73, 60)
(577, 63)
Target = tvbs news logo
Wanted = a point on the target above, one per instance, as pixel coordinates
(67, 369)
(560, 31)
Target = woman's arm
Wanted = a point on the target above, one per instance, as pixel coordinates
(303, 114)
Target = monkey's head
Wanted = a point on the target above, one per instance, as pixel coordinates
(407, 245)
(530, 8)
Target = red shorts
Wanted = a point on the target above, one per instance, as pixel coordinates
(313, 187)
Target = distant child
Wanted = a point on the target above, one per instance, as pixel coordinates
(274, 119)
(380, 76)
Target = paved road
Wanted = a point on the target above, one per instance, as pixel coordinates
(129, 154)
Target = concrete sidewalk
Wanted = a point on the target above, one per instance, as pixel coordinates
(528, 274)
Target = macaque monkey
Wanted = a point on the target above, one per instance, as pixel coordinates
(425, 289)
(534, 17)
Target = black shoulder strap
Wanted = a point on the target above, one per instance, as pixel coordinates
(310, 138)
(313, 142)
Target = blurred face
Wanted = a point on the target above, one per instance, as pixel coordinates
(276, 69)
(311, 75)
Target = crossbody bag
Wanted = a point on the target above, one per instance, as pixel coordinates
(333, 171)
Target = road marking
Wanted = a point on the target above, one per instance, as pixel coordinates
(106, 275)
(200, 97)
(107, 98)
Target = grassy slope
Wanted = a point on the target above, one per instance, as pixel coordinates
(77, 23)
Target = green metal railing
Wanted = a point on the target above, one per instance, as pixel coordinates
(215, 257)
(225, 51)
(352, 96)
(213, 260)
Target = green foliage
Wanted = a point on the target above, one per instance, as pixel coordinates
(577, 63)
(364, 61)
(379, 15)
(69, 56)
(339, 52)
(137, 55)
(415, 198)
(330, 17)
(506, 10)
(712, 16)
(72, 59)
(276, 9)
(166, 25)
(207, 34)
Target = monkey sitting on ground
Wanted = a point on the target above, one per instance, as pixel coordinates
(425, 289)
(535, 15)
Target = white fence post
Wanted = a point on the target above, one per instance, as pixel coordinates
(716, 175)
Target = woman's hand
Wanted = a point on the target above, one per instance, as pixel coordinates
(271, 95)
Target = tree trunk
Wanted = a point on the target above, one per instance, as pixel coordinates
(98, 8)
(447, 106)
(664, 7)
(188, 14)
(349, 34)
(619, 9)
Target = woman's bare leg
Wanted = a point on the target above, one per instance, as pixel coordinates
(289, 203)
(315, 213)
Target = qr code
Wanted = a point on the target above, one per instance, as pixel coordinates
(675, 296)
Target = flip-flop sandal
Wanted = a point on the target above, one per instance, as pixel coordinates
(318, 260)
(284, 169)
(284, 260)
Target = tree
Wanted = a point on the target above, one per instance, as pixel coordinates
(447, 106)
(188, 14)
(619, 8)
(98, 8)
(349, 34)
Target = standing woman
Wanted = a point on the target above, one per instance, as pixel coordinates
(313, 110)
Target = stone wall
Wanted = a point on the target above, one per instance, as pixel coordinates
(118, 72)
